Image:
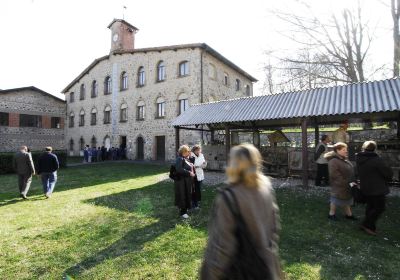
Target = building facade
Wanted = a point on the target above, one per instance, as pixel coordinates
(129, 97)
(30, 116)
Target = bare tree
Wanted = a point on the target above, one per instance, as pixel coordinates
(395, 9)
(329, 51)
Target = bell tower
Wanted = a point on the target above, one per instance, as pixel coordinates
(122, 35)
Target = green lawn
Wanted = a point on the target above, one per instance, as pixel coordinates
(116, 221)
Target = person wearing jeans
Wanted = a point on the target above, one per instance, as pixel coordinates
(47, 167)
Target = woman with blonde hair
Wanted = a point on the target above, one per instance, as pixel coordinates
(243, 233)
(184, 182)
(341, 178)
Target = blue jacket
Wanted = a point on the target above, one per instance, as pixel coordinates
(47, 162)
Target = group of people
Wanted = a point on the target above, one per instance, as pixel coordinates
(46, 168)
(102, 154)
(189, 167)
(370, 175)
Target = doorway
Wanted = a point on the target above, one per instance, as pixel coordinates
(122, 142)
(140, 148)
(160, 148)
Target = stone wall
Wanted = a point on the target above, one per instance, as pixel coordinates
(171, 90)
(31, 102)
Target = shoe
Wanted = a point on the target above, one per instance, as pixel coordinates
(368, 231)
(351, 218)
(332, 217)
(23, 196)
(185, 216)
(48, 195)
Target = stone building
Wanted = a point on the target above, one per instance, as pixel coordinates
(130, 96)
(30, 116)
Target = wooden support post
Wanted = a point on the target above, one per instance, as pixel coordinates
(227, 142)
(304, 153)
(316, 140)
(212, 136)
(177, 140)
(398, 126)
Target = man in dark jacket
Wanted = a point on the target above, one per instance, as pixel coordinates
(47, 168)
(374, 175)
(23, 166)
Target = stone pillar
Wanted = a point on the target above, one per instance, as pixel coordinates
(256, 139)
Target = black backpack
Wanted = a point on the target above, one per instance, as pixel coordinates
(172, 172)
(247, 264)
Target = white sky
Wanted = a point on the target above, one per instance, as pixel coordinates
(47, 43)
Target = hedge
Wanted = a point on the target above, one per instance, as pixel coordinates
(6, 160)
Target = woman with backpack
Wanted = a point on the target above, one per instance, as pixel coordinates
(183, 181)
(243, 233)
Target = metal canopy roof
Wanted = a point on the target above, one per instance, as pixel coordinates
(351, 99)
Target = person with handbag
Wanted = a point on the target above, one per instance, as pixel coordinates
(243, 232)
(342, 179)
(183, 181)
(374, 175)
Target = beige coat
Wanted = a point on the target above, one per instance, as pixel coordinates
(341, 173)
(260, 212)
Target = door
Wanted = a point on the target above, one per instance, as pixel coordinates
(160, 148)
(122, 142)
(140, 148)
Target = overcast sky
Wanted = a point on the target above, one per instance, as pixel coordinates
(47, 43)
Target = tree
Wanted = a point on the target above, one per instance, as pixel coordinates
(395, 9)
(329, 51)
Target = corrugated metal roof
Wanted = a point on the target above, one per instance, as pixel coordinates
(367, 97)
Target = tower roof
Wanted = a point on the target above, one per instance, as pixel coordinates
(124, 22)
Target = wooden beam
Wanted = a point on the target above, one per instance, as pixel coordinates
(227, 142)
(316, 136)
(398, 126)
(192, 128)
(304, 153)
(177, 140)
(212, 136)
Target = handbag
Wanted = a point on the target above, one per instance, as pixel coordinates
(246, 264)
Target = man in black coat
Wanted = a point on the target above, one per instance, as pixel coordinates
(374, 175)
(47, 167)
(24, 167)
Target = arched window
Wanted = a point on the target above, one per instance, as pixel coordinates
(107, 114)
(160, 107)
(107, 85)
(141, 76)
(226, 79)
(71, 119)
(81, 144)
(212, 71)
(94, 89)
(123, 115)
(237, 84)
(93, 116)
(124, 81)
(183, 68)
(82, 92)
(93, 141)
(248, 93)
(140, 110)
(183, 103)
(160, 71)
(82, 118)
(71, 144)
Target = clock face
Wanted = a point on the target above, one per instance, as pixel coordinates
(115, 37)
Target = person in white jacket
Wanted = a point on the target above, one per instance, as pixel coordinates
(199, 164)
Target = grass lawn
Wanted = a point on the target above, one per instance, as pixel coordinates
(116, 221)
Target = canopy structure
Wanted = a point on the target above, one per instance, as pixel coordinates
(358, 102)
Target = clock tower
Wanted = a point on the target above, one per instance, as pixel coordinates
(122, 35)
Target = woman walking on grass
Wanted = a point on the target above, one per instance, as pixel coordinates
(184, 182)
(341, 178)
(243, 233)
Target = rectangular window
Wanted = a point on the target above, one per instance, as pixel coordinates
(93, 118)
(124, 82)
(55, 122)
(161, 110)
(124, 115)
(71, 121)
(140, 110)
(184, 68)
(4, 119)
(107, 117)
(71, 97)
(30, 121)
(81, 120)
(183, 105)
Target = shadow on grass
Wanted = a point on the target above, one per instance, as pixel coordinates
(155, 202)
(78, 177)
